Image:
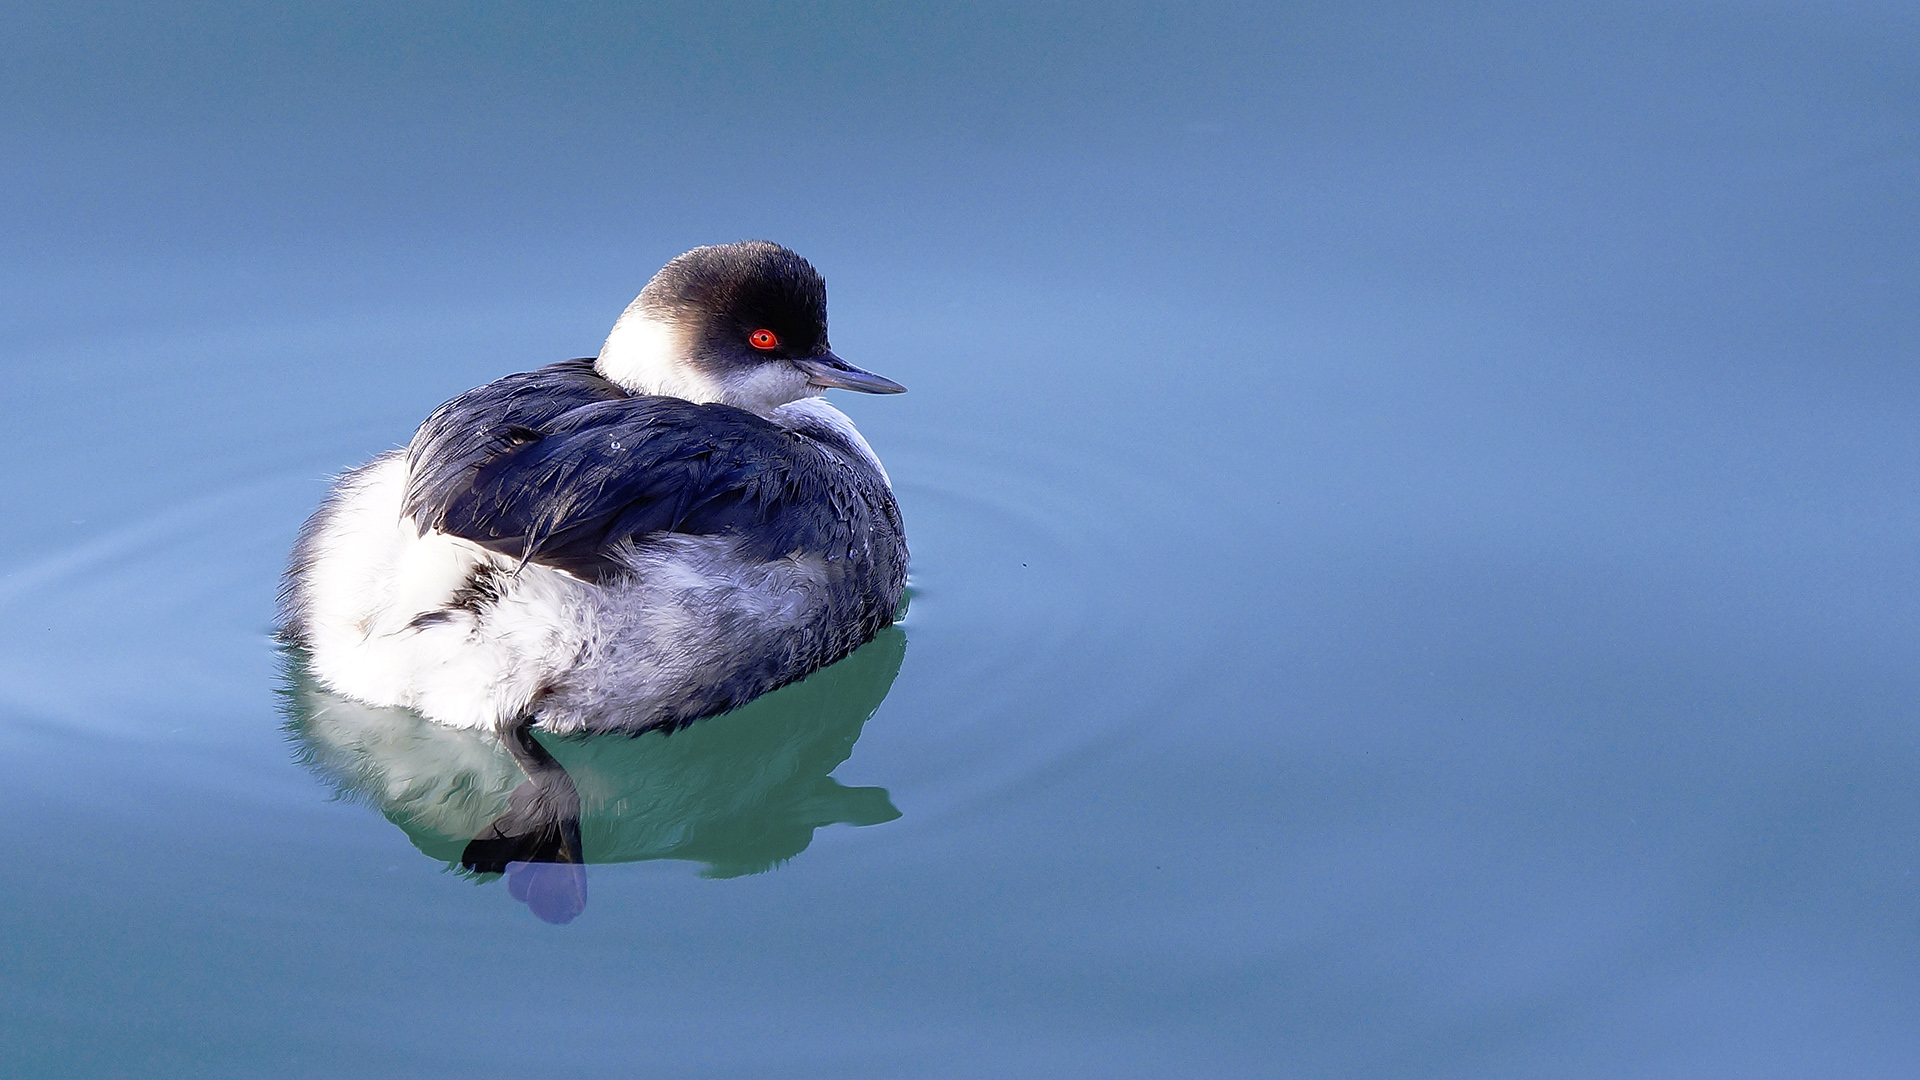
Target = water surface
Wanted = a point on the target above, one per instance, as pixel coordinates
(1413, 517)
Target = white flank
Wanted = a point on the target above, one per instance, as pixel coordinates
(372, 575)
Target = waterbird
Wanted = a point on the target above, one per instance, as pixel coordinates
(621, 543)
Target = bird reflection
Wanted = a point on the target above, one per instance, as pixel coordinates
(740, 793)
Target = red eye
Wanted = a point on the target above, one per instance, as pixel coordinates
(764, 339)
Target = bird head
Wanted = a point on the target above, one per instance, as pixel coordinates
(744, 324)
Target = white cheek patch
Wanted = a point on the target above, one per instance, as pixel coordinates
(648, 355)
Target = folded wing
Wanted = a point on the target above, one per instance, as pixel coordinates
(561, 467)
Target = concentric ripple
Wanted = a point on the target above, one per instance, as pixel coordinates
(1027, 655)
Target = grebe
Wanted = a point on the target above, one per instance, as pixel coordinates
(628, 542)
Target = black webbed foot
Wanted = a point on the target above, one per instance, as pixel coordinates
(536, 843)
(540, 825)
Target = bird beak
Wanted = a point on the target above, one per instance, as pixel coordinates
(831, 371)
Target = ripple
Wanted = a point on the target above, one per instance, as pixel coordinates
(156, 627)
(1044, 624)
(1040, 621)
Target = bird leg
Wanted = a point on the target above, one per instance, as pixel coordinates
(536, 843)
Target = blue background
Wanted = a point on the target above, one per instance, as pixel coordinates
(1413, 513)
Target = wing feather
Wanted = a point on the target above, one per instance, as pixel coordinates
(550, 468)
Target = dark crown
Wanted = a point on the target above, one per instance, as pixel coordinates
(743, 287)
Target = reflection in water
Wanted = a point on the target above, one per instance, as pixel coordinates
(740, 792)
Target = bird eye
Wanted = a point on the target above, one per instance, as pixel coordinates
(763, 339)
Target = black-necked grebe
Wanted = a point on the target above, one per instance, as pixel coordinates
(623, 543)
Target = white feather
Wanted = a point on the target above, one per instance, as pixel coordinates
(371, 575)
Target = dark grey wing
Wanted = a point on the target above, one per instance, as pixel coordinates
(568, 494)
(478, 426)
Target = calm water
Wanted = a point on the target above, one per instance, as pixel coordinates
(1416, 529)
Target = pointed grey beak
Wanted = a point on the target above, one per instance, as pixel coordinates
(831, 371)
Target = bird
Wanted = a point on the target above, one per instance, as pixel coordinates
(628, 542)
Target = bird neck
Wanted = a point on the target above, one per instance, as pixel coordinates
(648, 355)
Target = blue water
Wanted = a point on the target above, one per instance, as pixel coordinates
(1413, 511)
